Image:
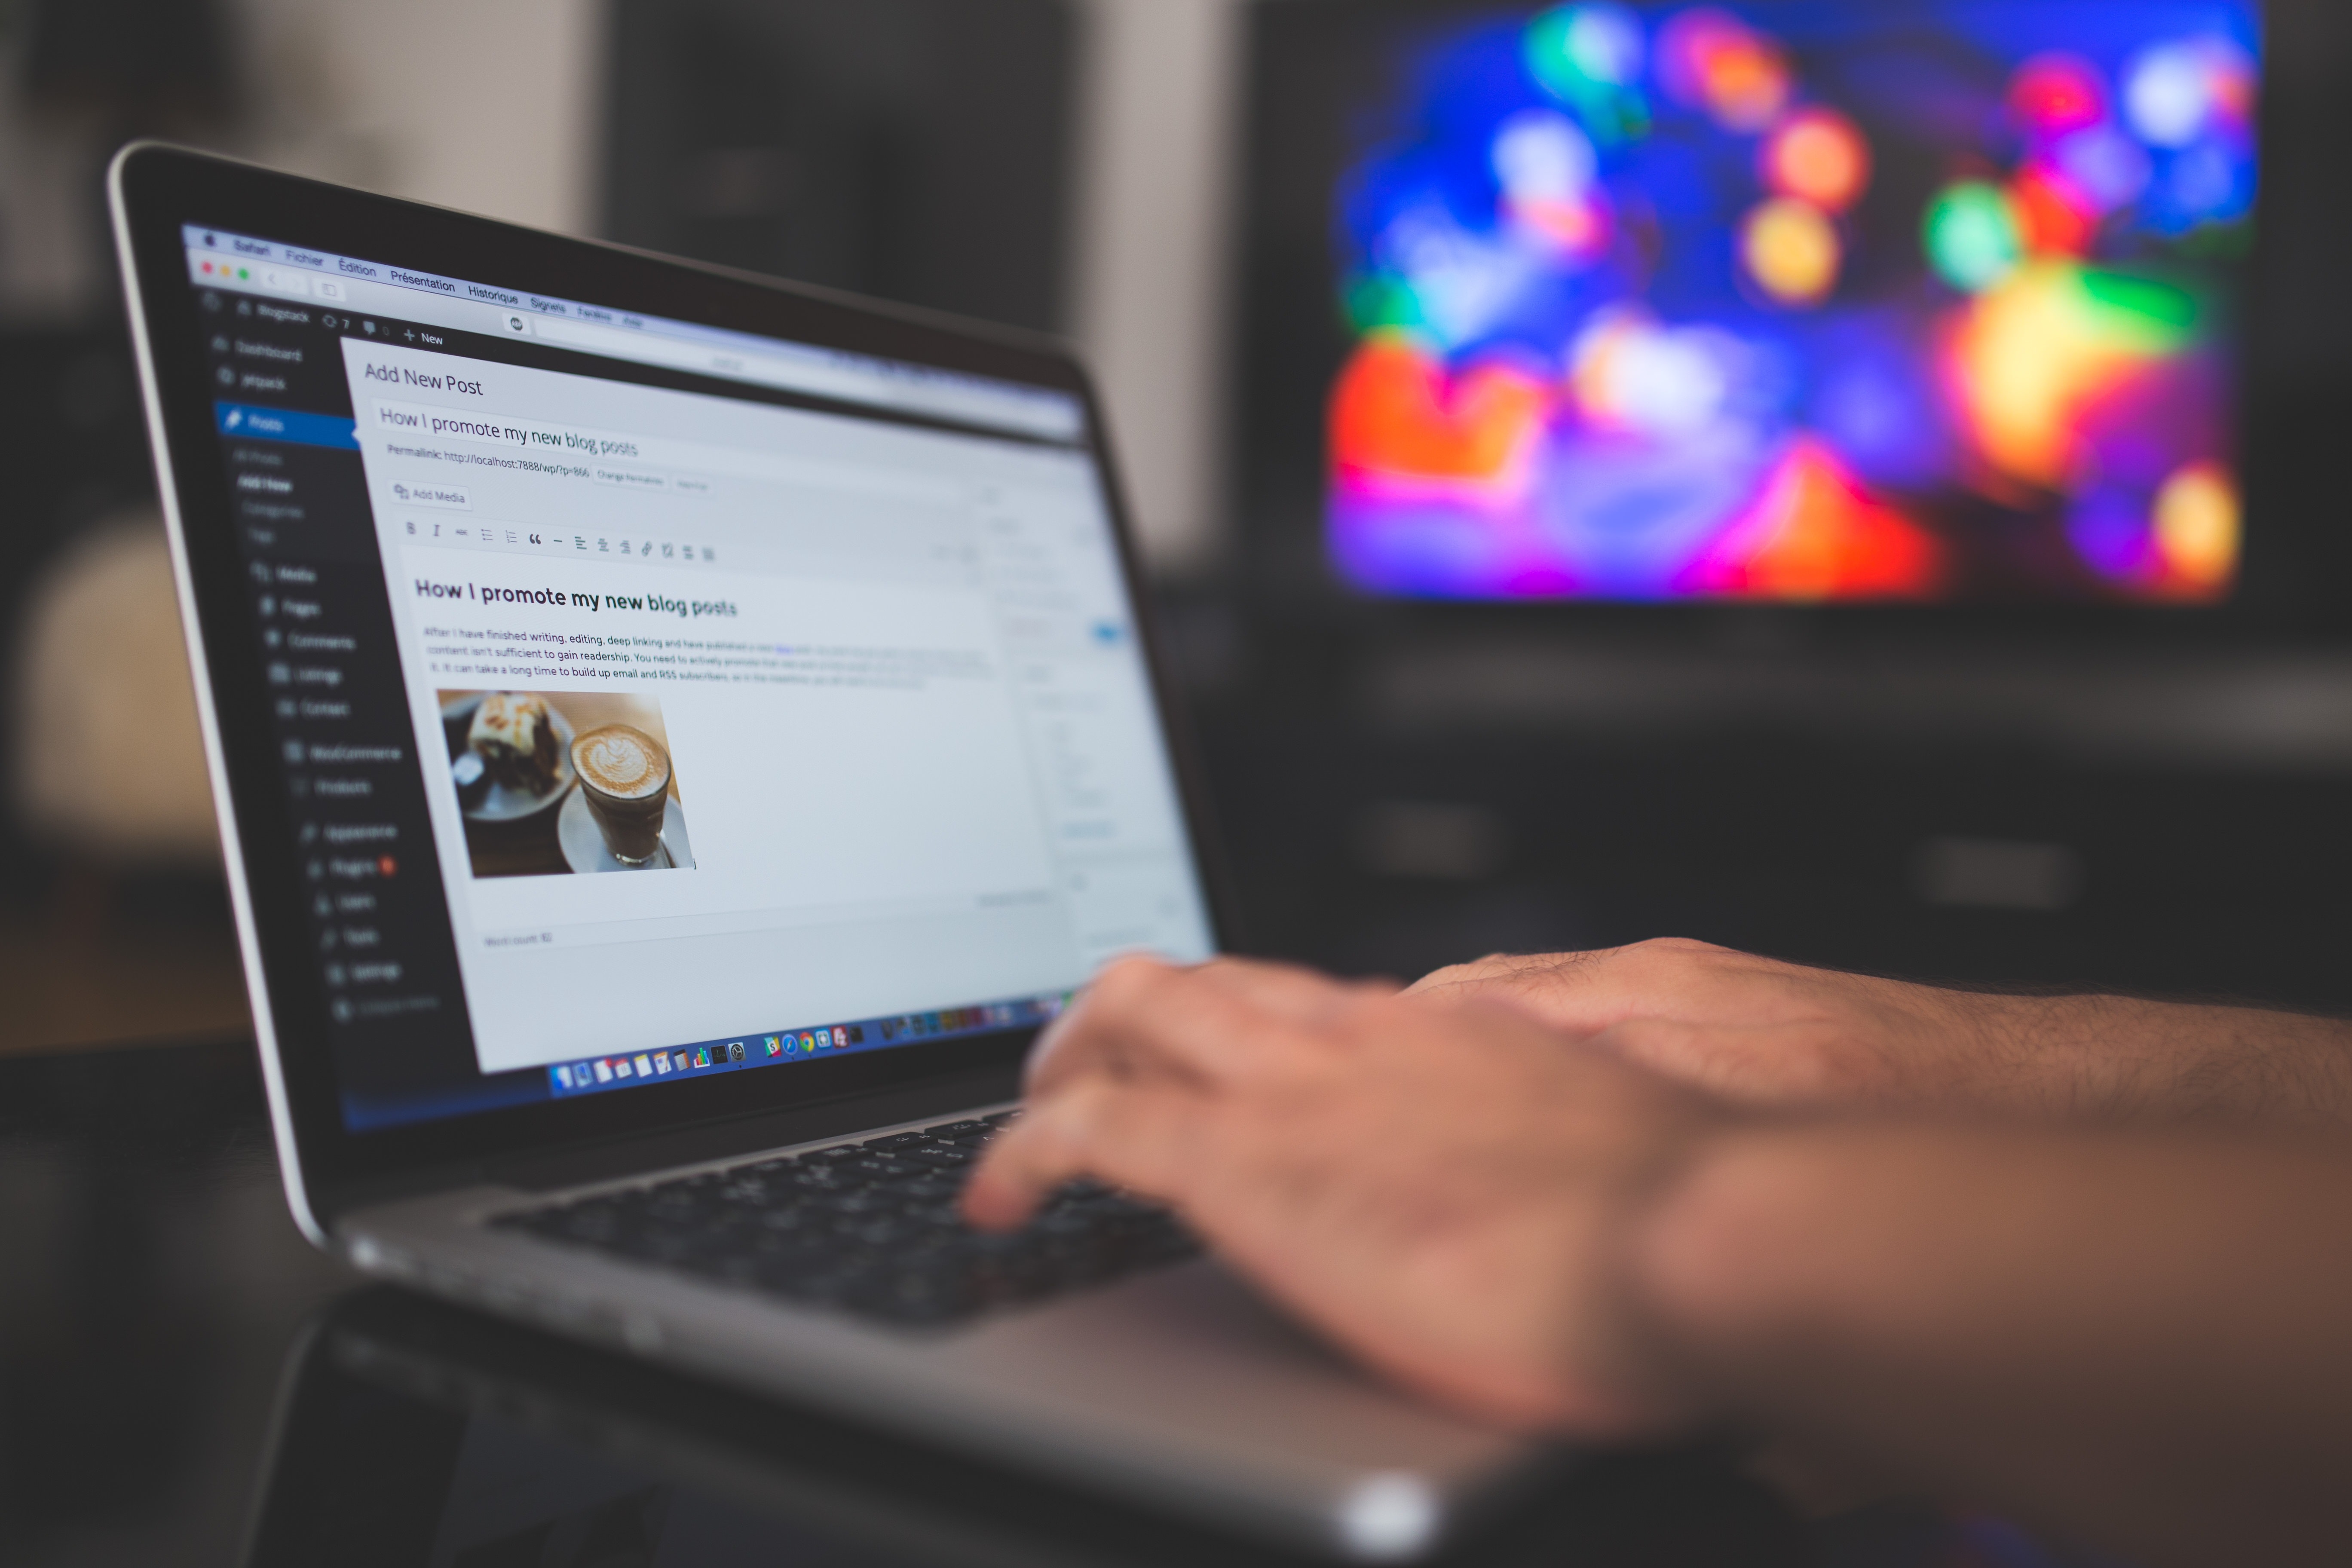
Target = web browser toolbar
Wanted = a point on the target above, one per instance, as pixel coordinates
(333, 284)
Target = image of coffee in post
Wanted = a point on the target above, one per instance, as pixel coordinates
(559, 783)
(624, 775)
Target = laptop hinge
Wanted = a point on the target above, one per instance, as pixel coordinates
(548, 1170)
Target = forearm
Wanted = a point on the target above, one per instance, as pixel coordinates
(2144, 1344)
(2121, 1058)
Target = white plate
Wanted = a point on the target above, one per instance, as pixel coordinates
(500, 804)
(583, 841)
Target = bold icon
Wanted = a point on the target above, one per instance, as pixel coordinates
(605, 1073)
(735, 1051)
(661, 1061)
(645, 1065)
(702, 1055)
(621, 1068)
(775, 1046)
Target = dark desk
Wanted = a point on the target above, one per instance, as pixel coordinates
(184, 1380)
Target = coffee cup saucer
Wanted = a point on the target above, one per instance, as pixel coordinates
(584, 846)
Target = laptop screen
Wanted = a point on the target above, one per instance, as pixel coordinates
(658, 702)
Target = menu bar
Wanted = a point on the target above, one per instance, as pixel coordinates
(222, 259)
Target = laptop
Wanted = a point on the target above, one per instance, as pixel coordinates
(482, 1445)
(676, 737)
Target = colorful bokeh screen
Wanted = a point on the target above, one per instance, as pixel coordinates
(1807, 301)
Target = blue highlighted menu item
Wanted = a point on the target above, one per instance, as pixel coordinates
(243, 420)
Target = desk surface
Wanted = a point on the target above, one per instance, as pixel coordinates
(184, 1380)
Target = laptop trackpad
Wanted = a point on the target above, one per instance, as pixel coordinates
(1195, 1354)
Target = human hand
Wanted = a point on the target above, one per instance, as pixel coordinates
(1758, 1030)
(1446, 1190)
(1761, 1032)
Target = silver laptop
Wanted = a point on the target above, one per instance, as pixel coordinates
(676, 737)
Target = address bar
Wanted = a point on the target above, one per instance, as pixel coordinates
(800, 375)
(611, 342)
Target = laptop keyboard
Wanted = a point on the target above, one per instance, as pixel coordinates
(871, 1229)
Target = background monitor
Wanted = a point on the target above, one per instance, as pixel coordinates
(1802, 301)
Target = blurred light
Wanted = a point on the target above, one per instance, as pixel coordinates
(1379, 300)
(2054, 94)
(1578, 230)
(2034, 353)
(2169, 95)
(2109, 531)
(1590, 57)
(2203, 181)
(1792, 251)
(1605, 43)
(1879, 407)
(2199, 526)
(1398, 415)
(1711, 60)
(1815, 532)
(1627, 373)
(1973, 238)
(2056, 218)
(1553, 392)
(1540, 155)
(1460, 281)
(1821, 155)
(2105, 166)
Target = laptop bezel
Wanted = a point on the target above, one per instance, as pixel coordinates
(155, 190)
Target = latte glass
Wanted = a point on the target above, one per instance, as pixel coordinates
(624, 778)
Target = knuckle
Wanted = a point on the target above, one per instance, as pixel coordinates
(1689, 946)
(1124, 981)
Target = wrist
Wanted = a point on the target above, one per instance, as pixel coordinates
(1712, 1265)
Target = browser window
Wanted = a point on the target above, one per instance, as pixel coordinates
(658, 701)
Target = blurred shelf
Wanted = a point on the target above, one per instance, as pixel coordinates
(73, 983)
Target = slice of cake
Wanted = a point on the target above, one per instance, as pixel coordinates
(515, 735)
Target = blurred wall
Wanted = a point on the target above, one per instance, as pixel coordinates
(483, 104)
(1158, 144)
(490, 105)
